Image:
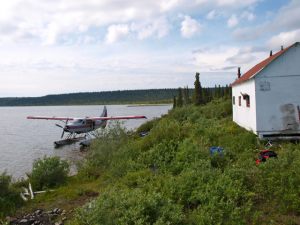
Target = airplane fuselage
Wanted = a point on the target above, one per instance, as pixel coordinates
(80, 126)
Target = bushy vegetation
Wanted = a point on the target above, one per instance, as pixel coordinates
(169, 176)
(9, 195)
(134, 206)
(49, 172)
(147, 126)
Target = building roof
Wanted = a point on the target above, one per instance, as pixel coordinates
(260, 66)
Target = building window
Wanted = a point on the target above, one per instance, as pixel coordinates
(240, 100)
(247, 98)
(233, 100)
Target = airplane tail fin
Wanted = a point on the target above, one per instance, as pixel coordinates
(104, 113)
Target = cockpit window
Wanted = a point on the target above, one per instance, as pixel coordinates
(79, 121)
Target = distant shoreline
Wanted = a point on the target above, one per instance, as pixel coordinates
(146, 105)
(93, 104)
(129, 97)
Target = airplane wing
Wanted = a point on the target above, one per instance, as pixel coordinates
(49, 118)
(117, 118)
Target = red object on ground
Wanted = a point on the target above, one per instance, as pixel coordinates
(264, 155)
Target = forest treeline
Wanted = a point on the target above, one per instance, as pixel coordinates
(90, 98)
(200, 95)
(108, 97)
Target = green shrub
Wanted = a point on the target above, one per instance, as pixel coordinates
(278, 181)
(103, 151)
(213, 197)
(49, 172)
(166, 129)
(130, 206)
(5, 181)
(125, 160)
(161, 155)
(9, 195)
(146, 127)
(218, 161)
(217, 109)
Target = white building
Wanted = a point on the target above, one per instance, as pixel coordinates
(266, 99)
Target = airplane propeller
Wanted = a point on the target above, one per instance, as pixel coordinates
(63, 132)
(58, 125)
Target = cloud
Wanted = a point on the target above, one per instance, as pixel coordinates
(214, 58)
(286, 19)
(158, 27)
(248, 56)
(167, 5)
(228, 68)
(284, 38)
(253, 49)
(86, 40)
(116, 32)
(235, 3)
(189, 27)
(248, 16)
(70, 69)
(211, 15)
(50, 21)
(53, 22)
(52, 46)
(50, 35)
(222, 58)
(240, 59)
(232, 21)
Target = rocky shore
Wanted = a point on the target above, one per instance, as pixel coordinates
(40, 217)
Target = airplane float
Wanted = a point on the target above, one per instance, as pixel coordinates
(87, 125)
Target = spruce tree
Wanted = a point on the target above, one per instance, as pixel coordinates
(230, 92)
(186, 96)
(204, 97)
(226, 92)
(220, 91)
(197, 92)
(179, 100)
(174, 102)
(210, 94)
(215, 92)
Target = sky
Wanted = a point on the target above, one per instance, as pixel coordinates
(66, 46)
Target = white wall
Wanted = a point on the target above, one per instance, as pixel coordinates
(288, 64)
(243, 115)
(278, 94)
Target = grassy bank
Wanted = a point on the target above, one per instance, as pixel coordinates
(169, 176)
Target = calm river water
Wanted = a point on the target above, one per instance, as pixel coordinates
(22, 141)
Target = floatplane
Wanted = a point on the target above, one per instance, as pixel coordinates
(78, 126)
